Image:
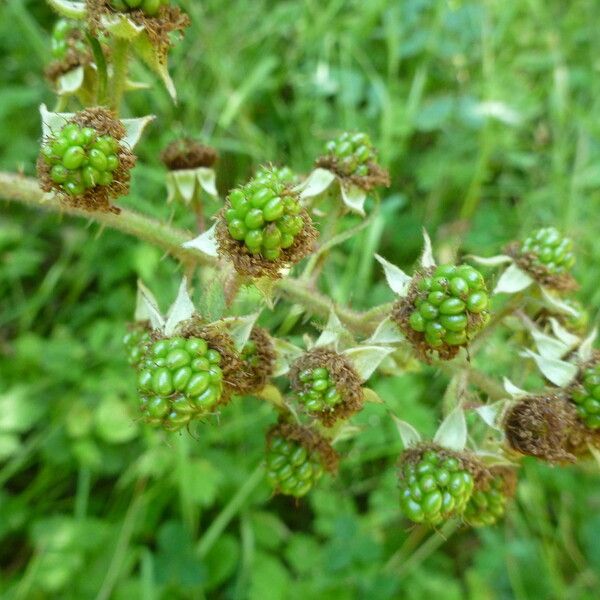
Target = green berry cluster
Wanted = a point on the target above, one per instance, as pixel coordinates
(487, 506)
(550, 250)
(434, 488)
(148, 7)
(136, 344)
(65, 35)
(318, 391)
(353, 153)
(443, 304)
(80, 159)
(587, 397)
(178, 380)
(291, 468)
(264, 215)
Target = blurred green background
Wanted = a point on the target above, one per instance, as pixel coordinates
(487, 115)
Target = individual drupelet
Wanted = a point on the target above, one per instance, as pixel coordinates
(264, 214)
(80, 159)
(292, 469)
(179, 379)
(148, 7)
(587, 397)
(444, 302)
(318, 392)
(549, 249)
(434, 485)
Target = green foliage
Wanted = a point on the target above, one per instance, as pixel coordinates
(487, 116)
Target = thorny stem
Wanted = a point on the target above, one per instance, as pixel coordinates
(25, 190)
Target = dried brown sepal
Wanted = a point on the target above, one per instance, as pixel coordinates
(311, 440)
(74, 58)
(468, 460)
(403, 309)
(218, 339)
(342, 373)
(158, 28)
(527, 262)
(546, 427)
(186, 153)
(99, 197)
(254, 265)
(252, 379)
(377, 176)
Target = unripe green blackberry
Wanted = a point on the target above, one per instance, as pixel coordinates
(326, 385)
(179, 379)
(548, 249)
(148, 7)
(434, 485)
(445, 303)
(79, 159)
(264, 215)
(291, 468)
(488, 501)
(136, 342)
(318, 391)
(296, 458)
(66, 35)
(353, 153)
(587, 397)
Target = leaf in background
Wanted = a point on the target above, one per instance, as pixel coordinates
(71, 81)
(316, 183)
(408, 434)
(586, 349)
(387, 332)
(512, 389)
(427, 260)
(354, 198)
(71, 10)
(148, 307)
(114, 424)
(513, 280)
(181, 310)
(206, 242)
(156, 60)
(397, 279)
(452, 433)
(559, 372)
(366, 359)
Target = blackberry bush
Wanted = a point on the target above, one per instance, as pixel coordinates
(148, 7)
(487, 504)
(265, 225)
(179, 379)
(434, 485)
(548, 249)
(586, 397)
(353, 152)
(296, 458)
(79, 159)
(318, 391)
(446, 306)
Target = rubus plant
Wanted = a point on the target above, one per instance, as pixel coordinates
(268, 246)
